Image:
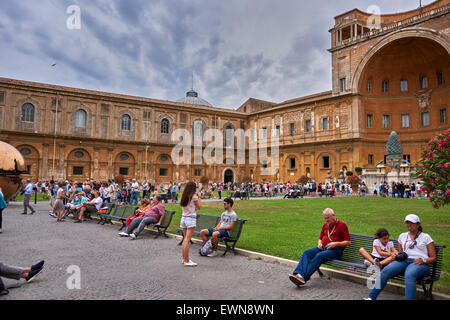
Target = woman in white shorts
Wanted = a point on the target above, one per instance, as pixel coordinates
(190, 203)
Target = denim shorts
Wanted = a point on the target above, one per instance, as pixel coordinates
(222, 233)
(188, 222)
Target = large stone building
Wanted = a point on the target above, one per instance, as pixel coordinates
(390, 76)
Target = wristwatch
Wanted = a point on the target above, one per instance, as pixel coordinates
(424, 260)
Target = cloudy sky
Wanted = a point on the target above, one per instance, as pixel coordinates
(236, 49)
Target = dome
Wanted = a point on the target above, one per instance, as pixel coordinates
(192, 98)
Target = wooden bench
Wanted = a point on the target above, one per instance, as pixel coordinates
(353, 261)
(205, 221)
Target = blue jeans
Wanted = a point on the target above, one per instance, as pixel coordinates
(413, 272)
(313, 258)
(134, 196)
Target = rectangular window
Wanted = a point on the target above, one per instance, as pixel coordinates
(385, 87)
(370, 121)
(425, 119)
(370, 160)
(404, 85)
(384, 160)
(77, 171)
(292, 129)
(423, 82)
(386, 121)
(163, 172)
(264, 133)
(443, 116)
(308, 126)
(277, 131)
(343, 84)
(292, 163)
(407, 158)
(405, 120)
(28, 170)
(369, 86)
(325, 123)
(440, 77)
(242, 123)
(325, 162)
(2, 97)
(198, 172)
(123, 171)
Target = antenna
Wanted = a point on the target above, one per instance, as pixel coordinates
(420, 6)
(192, 81)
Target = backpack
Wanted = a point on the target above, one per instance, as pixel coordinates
(206, 249)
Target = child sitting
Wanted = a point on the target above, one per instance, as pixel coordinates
(383, 251)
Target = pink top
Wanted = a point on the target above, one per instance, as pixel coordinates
(189, 210)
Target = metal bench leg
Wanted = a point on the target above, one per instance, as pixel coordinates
(428, 293)
(320, 273)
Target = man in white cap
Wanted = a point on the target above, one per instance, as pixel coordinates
(416, 252)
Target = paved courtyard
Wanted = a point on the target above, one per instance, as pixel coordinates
(115, 268)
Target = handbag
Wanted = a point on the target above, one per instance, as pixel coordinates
(402, 256)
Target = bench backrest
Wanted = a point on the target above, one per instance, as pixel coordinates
(206, 221)
(351, 253)
(237, 229)
(129, 211)
(118, 211)
(167, 218)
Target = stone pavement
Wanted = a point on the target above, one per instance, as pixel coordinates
(115, 268)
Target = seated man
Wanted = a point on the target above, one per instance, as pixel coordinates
(223, 228)
(333, 239)
(154, 215)
(90, 207)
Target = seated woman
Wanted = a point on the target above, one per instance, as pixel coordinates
(140, 212)
(420, 251)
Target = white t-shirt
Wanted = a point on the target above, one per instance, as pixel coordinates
(387, 248)
(98, 203)
(420, 250)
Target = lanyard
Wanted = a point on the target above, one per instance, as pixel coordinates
(328, 231)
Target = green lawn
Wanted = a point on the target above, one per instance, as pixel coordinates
(40, 197)
(286, 228)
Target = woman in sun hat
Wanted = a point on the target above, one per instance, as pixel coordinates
(420, 251)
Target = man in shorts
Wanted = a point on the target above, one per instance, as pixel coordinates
(223, 228)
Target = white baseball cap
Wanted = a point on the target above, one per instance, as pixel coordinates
(412, 218)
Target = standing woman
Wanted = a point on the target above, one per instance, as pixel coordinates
(2, 207)
(190, 203)
(58, 208)
(420, 250)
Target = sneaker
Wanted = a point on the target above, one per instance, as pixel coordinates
(212, 254)
(78, 221)
(189, 264)
(133, 236)
(38, 265)
(53, 215)
(367, 263)
(23, 213)
(123, 234)
(297, 279)
(367, 299)
(33, 274)
(33, 212)
(376, 261)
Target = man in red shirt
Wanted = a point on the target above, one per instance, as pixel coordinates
(333, 239)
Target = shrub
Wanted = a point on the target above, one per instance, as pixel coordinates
(303, 180)
(434, 169)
